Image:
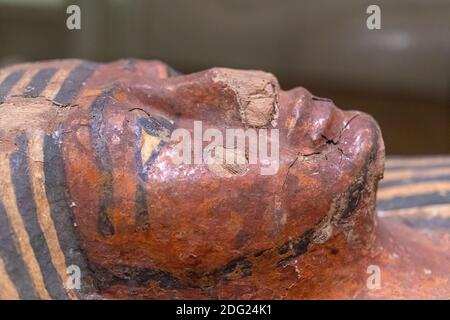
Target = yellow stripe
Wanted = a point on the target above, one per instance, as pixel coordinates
(413, 189)
(36, 167)
(8, 290)
(20, 86)
(405, 174)
(417, 161)
(56, 82)
(9, 201)
(440, 210)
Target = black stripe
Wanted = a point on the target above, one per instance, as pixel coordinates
(141, 210)
(137, 154)
(8, 83)
(295, 247)
(27, 208)
(73, 83)
(133, 276)
(408, 181)
(431, 223)
(141, 214)
(39, 82)
(14, 264)
(103, 161)
(156, 126)
(413, 201)
(60, 210)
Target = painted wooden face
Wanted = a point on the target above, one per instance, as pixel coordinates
(139, 211)
(103, 134)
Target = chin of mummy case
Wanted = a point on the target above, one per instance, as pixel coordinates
(87, 180)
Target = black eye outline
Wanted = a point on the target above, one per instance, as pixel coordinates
(156, 127)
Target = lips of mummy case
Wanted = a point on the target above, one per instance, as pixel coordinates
(141, 225)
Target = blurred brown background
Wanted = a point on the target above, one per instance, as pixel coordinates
(400, 74)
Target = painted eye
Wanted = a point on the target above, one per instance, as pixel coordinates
(151, 135)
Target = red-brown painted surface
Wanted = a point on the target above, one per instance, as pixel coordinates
(169, 230)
